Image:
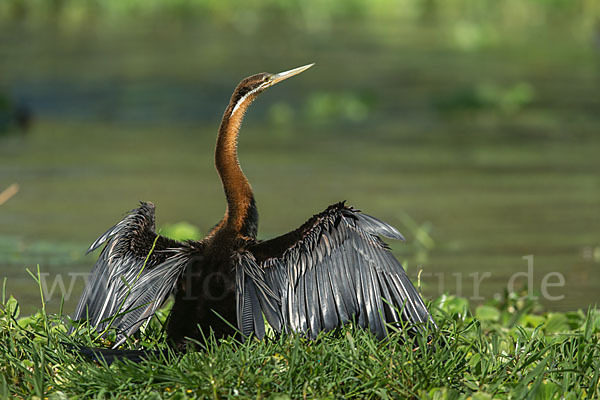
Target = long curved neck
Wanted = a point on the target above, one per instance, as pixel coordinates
(241, 215)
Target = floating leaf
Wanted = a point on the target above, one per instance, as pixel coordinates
(181, 231)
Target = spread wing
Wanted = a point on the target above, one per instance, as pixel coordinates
(133, 276)
(332, 270)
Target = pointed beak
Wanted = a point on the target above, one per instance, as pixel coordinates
(276, 78)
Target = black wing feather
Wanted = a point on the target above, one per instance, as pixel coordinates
(134, 274)
(332, 270)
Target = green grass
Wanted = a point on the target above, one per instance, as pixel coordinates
(507, 349)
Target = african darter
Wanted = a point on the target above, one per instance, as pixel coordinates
(331, 270)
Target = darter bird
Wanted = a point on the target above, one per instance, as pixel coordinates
(332, 270)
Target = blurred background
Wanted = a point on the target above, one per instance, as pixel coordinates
(472, 126)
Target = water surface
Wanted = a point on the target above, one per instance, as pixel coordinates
(480, 157)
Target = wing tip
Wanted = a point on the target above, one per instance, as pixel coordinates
(146, 210)
(97, 243)
(377, 226)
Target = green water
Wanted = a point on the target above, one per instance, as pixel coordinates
(492, 152)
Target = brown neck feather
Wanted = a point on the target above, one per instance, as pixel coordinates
(237, 188)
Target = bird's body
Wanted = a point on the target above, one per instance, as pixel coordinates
(332, 270)
(205, 292)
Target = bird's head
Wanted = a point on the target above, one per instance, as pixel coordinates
(249, 88)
